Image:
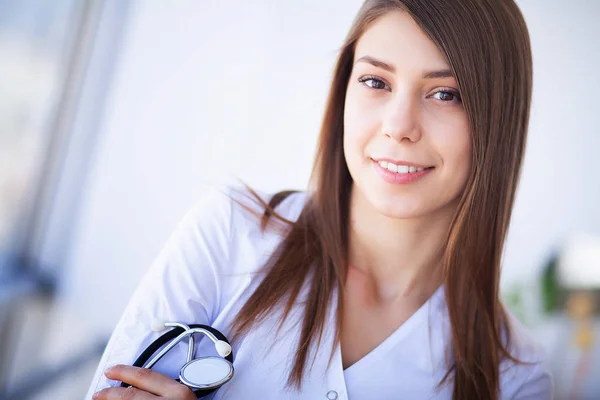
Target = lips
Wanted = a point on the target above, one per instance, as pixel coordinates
(402, 163)
(403, 177)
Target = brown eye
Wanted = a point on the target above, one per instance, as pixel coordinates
(447, 96)
(374, 83)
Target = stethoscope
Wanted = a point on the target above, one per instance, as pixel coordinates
(202, 375)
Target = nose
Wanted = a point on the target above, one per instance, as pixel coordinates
(401, 119)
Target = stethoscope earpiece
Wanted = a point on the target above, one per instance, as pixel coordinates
(223, 348)
(203, 375)
(159, 325)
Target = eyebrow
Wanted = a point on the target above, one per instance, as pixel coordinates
(444, 73)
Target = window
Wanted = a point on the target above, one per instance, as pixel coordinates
(36, 38)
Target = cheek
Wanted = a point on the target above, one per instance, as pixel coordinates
(453, 142)
(360, 122)
(362, 110)
(353, 129)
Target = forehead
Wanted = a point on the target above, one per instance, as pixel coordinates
(396, 38)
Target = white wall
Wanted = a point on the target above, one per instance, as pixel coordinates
(205, 91)
(559, 191)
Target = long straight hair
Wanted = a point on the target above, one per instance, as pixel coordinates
(487, 46)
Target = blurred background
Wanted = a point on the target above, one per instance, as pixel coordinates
(115, 116)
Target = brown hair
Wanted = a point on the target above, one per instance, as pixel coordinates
(486, 44)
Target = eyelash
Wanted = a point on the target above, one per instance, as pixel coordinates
(364, 79)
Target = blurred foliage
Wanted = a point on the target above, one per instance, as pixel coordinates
(513, 299)
(550, 289)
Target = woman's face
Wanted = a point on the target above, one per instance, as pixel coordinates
(403, 109)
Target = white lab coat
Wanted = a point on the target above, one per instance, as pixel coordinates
(207, 271)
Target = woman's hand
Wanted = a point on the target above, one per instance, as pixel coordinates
(148, 385)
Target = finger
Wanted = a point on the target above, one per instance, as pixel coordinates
(121, 393)
(148, 380)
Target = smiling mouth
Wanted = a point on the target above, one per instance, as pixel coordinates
(401, 168)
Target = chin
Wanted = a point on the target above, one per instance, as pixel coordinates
(399, 213)
(399, 207)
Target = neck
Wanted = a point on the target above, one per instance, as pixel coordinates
(399, 257)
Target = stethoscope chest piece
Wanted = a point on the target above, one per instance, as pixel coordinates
(203, 375)
(206, 372)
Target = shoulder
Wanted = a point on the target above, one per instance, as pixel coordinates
(215, 248)
(530, 378)
(224, 226)
(227, 214)
(247, 207)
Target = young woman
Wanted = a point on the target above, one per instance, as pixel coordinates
(381, 280)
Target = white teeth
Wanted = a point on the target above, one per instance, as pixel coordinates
(401, 169)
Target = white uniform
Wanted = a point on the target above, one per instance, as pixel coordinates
(208, 270)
